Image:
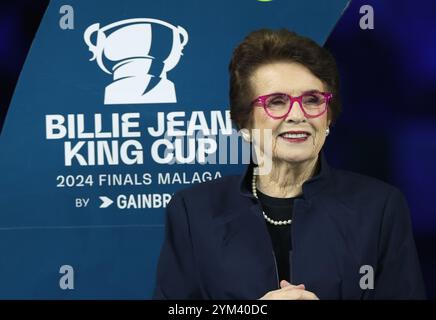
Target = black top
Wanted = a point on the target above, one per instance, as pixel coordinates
(279, 209)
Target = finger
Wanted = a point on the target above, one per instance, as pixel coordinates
(291, 287)
(305, 295)
(284, 284)
(294, 294)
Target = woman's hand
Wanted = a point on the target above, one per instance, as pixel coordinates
(288, 291)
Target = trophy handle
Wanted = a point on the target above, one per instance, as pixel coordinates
(184, 35)
(179, 43)
(96, 49)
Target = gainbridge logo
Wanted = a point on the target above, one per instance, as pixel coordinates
(138, 53)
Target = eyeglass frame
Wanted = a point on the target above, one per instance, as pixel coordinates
(262, 100)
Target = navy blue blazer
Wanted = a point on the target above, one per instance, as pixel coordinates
(217, 245)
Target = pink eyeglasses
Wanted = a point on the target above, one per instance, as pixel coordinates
(278, 105)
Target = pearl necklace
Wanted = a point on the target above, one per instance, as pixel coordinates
(274, 222)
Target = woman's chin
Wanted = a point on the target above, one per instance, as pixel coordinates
(293, 158)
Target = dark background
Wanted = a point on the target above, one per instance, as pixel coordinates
(388, 125)
(388, 85)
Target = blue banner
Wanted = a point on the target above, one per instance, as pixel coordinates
(119, 105)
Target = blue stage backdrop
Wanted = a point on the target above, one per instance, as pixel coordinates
(119, 105)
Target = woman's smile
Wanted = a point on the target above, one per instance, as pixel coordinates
(295, 136)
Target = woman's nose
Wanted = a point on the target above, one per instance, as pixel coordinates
(296, 113)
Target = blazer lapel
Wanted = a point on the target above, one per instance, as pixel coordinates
(245, 253)
(322, 251)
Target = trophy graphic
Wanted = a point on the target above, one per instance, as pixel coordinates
(138, 53)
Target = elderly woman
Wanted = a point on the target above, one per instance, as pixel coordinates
(301, 230)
